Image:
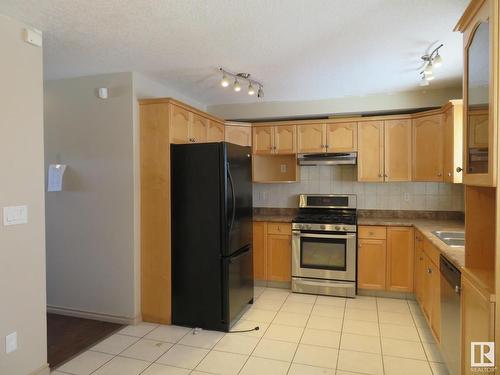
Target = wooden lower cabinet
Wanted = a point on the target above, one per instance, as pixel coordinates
(272, 251)
(400, 253)
(371, 263)
(435, 300)
(478, 317)
(419, 267)
(385, 258)
(260, 250)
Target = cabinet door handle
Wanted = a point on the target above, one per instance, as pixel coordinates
(327, 146)
(439, 174)
(450, 174)
(386, 175)
(429, 270)
(459, 169)
(380, 175)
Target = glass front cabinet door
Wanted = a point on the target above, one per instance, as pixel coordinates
(480, 90)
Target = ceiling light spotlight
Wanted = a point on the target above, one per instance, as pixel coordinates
(428, 68)
(224, 82)
(260, 92)
(429, 76)
(251, 90)
(424, 82)
(236, 86)
(438, 60)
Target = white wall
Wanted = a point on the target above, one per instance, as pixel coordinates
(346, 105)
(92, 250)
(22, 247)
(342, 180)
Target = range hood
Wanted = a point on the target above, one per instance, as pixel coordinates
(333, 158)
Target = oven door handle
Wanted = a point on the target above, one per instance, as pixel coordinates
(346, 236)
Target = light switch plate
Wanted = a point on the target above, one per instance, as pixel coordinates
(11, 343)
(15, 215)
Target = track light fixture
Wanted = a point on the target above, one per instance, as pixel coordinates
(225, 81)
(431, 61)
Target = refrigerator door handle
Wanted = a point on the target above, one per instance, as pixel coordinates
(233, 198)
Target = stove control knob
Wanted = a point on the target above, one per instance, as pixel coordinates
(344, 229)
(322, 226)
(337, 227)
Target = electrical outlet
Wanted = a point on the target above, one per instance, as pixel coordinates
(11, 343)
(283, 168)
(15, 215)
(406, 196)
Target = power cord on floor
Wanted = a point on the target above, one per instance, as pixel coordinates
(246, 330)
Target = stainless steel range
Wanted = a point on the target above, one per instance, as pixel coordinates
(324, 245)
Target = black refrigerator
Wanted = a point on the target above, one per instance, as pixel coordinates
(212, 265)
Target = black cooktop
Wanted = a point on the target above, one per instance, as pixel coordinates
(322, 216)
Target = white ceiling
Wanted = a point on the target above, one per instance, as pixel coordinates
(300, 49)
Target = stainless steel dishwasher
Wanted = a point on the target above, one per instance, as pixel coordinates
(450, 315)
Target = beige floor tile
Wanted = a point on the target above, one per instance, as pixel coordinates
(359, 314)
(146, 350)
(396, 318)
(256, 365)
(268, 304)
(302, 298)
(203, 339)
(359, 327)
(398, 366)
(273, 349)
(283, 333)
(183, 356)
(316, 356)
(222, 363)
(366, 363)
(364, 303)
(399, 332)
(85, 363)
(138, 330)
(291, 319)
(114, 344)
(393, 305)
(439, 368)
(244, 325)
(329, 311)
(340, 372)
(331, 301)
(321, 338)
(426, 335)
(360, 343)
(420, 321)
(300, 369)
(122, 366)
(168, 333)
(157, 369)
(325, 322)
(402, 348)
(277, 294)
(259, 315)
(297, 307)
(58, 373)
(258, 290)
(235, 343)
(433, 353)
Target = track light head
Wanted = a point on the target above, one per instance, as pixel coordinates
(224, 82)
(428, 68)
(251, 90)
(260, 92)
(424, 82)
(437, 61)
(236, 85)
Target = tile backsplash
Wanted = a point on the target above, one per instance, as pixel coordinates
(341, 179)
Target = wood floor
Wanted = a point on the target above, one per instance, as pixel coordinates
(68, 336)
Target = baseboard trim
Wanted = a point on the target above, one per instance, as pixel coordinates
(92, 315)
(44, 370)
(273, 284)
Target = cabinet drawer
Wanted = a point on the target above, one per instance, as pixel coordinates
(379, 233)
(432, 252)
(279, 228)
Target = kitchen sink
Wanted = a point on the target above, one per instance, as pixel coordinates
(451, 238)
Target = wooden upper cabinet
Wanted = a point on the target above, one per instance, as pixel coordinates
(452, 142)
(400, 257)
(215, 131)
(428, 148)
(239, 135)
(198, 129)
(371, 264)
(397, 150)
(179, 125)
(310, 138)
(263, 140)
(285, 139)
(342, 137)
(371, 151)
